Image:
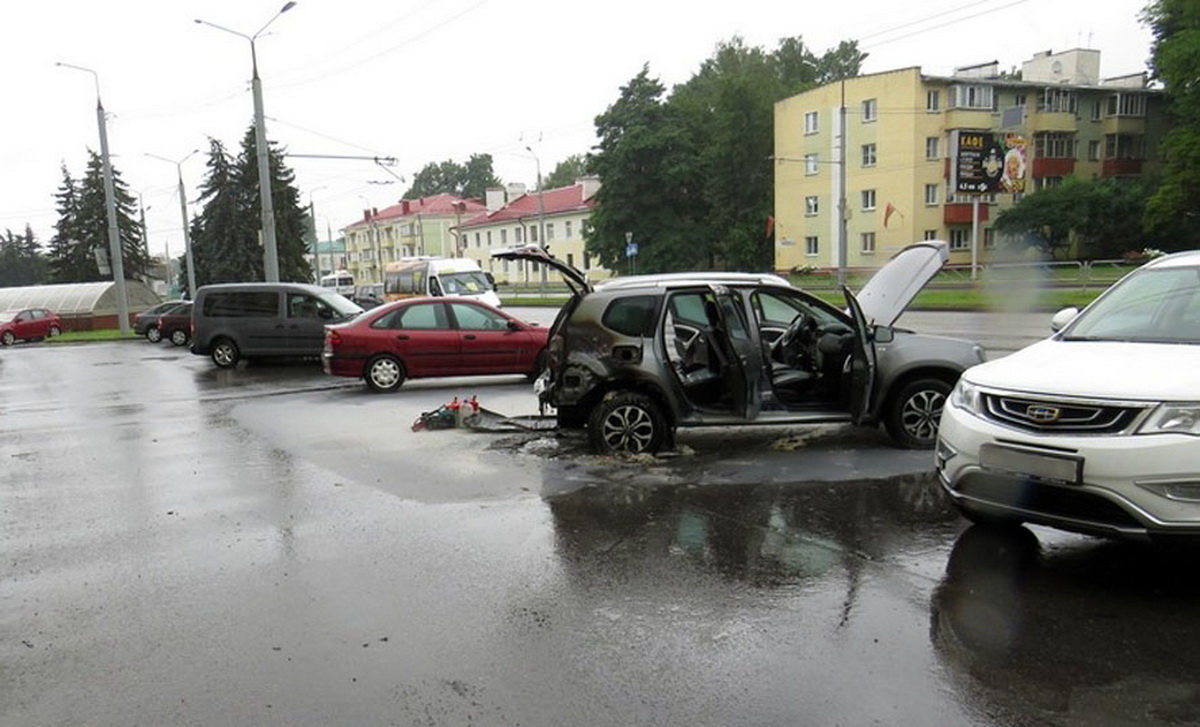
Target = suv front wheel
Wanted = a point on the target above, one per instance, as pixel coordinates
(627, 422)
(912, 415)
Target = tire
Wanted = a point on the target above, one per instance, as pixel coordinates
(912, 414)
(225, 353)
(384, 373)
(179, 337)
(626, 422)
(8, 338)
(153, 335)
(55, 331)
(539, 365)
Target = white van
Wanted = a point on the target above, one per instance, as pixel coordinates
(339, 281)
(460, 277)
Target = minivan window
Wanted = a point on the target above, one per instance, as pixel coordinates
(632, 316)
(242, 304)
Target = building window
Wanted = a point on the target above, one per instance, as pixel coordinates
(1127, 104)
(960, 238)
(1049, 182)
(868, 155)
(567, 232)
(571, 259)
(933, 101)
(931, 194)
(812, 206)
(868, 200)
(810, 164)
(989, 238)
(489, 238)
(478, 240)
(810, 122)
(1019, 99)
(868, 243)
(1096, 107)
(933, 147)
(870, 110)
(533, 235)
(517, 234)
(1124, 146)
(549, 231)
(1059, 101)
(1054, 145)
(930, 234)
(812, 246)
(503, 237)
(972, 97)
(1093, 151)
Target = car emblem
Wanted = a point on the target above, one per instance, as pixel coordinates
(1042, 414)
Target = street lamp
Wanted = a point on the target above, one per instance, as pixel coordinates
(312, 217)
(114, 233)
(187, 237)
(541, 218)
(270, 252)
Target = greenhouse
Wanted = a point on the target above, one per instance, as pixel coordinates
(82, 306)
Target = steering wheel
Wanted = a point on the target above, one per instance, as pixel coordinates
(792, 342)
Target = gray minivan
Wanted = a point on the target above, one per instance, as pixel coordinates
(232, 321)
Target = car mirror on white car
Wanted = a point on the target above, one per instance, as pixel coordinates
(1062, 318)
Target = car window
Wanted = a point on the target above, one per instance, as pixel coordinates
(1161, 305)
(472, 317)
(631, 316)
(242, 304)
(779, 309)
(422, 316)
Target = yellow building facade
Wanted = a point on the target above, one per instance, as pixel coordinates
(896, 166)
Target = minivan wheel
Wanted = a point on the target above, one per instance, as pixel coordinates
(626, 422)
(384, 373)
(225, 353)
(912, 415)
(153, 335)
(179, 337)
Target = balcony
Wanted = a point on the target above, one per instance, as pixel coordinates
(1050, 167)
(1051, 121)
(1121, 168)
(1132, 125)
(959, 213)
(969, 118)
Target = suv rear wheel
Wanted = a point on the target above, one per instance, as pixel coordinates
(627, 422)
(225, 353)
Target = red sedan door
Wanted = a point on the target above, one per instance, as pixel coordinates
(489, 345)
(32, 324)
(422, 336)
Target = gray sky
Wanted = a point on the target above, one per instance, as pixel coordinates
(429, 80)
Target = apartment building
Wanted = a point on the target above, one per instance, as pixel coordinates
(555, 218)
(894, 169)
(424, 226)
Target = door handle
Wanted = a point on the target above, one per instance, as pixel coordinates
(402, 337)
(470, 336)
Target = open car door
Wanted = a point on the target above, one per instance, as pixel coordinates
(862, 361)
(740, 355)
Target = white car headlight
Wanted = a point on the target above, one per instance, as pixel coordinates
(1173, 418)
(966, 396)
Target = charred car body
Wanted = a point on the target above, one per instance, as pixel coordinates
(634, 358)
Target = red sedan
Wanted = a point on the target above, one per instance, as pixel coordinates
(31, 324)
(420, 337)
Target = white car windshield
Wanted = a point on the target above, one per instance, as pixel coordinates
(467, 283)
(1156, 305)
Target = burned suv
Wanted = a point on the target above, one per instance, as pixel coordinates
(634, 358)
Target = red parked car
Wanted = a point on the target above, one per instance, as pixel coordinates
(176, 324)
(419, 337)
(31, 324)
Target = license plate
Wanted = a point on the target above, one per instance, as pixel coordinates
(1056, 467)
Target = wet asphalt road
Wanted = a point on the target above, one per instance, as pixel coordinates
(270, 546)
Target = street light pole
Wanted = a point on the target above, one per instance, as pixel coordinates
(114, 232)
(312, 218)
(183, 214)
(270, 250)
(541, 219)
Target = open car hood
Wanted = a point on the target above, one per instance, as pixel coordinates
(893, 287)
(577, 281)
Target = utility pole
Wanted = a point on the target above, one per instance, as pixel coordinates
(183, 216)
(841, 242)
(114, 232)
(541, 222)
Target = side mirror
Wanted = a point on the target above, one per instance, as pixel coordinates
(884, 334)
(1062, 318)
(514, 326)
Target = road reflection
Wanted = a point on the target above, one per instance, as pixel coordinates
(1092, 633)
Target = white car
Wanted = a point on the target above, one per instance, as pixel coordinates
(1095, 429)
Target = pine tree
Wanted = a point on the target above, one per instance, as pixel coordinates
(291, 221)
(71, 259)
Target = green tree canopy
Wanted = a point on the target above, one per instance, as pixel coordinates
(566, 172)
(1089, 220)
(449, 177)
(690, 176)
(1172, 210)
(21, 260)
(82, 227)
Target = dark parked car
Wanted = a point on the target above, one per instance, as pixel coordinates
(368, 296)
(176, 324)
(419, 337)
(232, 321)
(146, 322)
(31, 324)
(636, 357)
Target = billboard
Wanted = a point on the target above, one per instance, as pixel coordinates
(985, 163)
